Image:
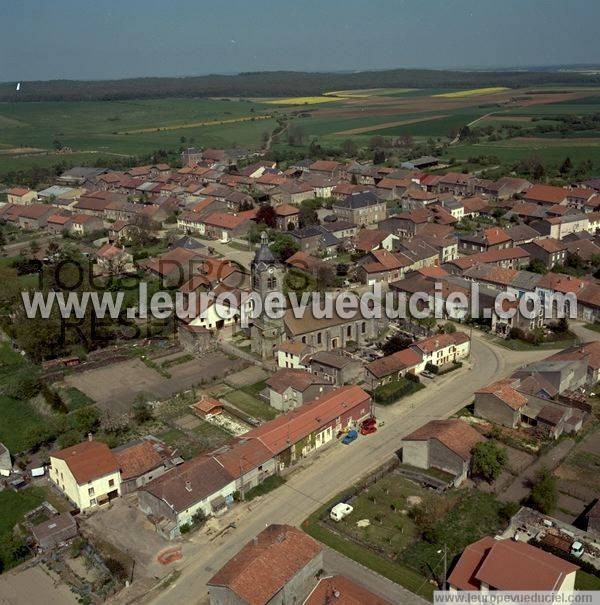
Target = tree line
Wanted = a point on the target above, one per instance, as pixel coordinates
(280, 83)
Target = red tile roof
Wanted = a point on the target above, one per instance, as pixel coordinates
(339, 590)
(440, 341)
(546, 194)
(294, 378)
(505, 391)
(88, 460)
(455, 434)
(141, 458)
(18, 191)
(225, 221)
(289, 428)
(495, 236)
(267, 563)
(396, 362)
(511, 565)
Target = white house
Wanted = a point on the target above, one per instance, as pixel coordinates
(87, 473)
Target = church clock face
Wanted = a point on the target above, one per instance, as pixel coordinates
(271, 269)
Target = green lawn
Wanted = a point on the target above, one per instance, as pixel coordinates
(395, 571)
(19, 420)
(396, 389)
(250, 404)
(518, 345)
(211, 435)
(586, 581)
(74, 398)
(13, 508)
(595, 327)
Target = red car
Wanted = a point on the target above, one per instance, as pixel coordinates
(368, 426)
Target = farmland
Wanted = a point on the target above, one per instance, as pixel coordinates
(96, 132)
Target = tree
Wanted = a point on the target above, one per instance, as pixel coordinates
(448, 328)
(349, 147)
(325, 277)
(487, 460)
(34, 247)
(566, 167)
(537, 265)
(378, 156)
(267, 216)
(142, 412)
(544, 494)
(284, 246)
(396, 343)
(85, 420)
(308, 216)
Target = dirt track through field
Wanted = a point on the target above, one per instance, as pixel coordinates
(385, 125)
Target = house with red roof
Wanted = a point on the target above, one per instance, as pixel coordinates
(392, 367)
(443, 349)
(501, 402)
(279, 565)
(141, 461)
(300, 432)
(510, 565)
(87, 474)
(546, 195)
(224, 227)
(21, 195)
(442, 444)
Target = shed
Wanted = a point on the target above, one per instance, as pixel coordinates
(55, 531)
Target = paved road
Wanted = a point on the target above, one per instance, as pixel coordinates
(338, 467)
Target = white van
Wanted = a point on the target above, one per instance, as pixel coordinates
(339, 511)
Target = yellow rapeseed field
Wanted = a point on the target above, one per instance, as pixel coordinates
(300, 100)
(471, 93)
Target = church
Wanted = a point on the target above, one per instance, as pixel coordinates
(322, 334)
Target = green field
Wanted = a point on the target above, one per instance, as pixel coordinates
(126, 127)
(100, 131)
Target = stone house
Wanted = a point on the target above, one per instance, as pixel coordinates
(442, 444)
(392, 367)
(361, 209)
(278, 566)
(288, 388)
(337, 367)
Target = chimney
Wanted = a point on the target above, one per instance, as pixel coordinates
(188, 486)
(90, 437)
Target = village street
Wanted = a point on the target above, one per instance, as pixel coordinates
(338, 467)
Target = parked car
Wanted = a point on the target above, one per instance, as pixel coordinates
(427, 374)
(339, 511)
(577, 549)
(350, 437)
(368, 429)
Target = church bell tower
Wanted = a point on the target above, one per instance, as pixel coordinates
(267, 276)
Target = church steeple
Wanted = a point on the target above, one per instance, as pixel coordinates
(267, 276)
(264, 254)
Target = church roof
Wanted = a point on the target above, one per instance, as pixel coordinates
(264, 254)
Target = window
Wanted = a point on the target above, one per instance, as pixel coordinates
(91, 491)
(349, 331)
(93, 502)
(319, 338)
(363, 328)
(111, 483)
